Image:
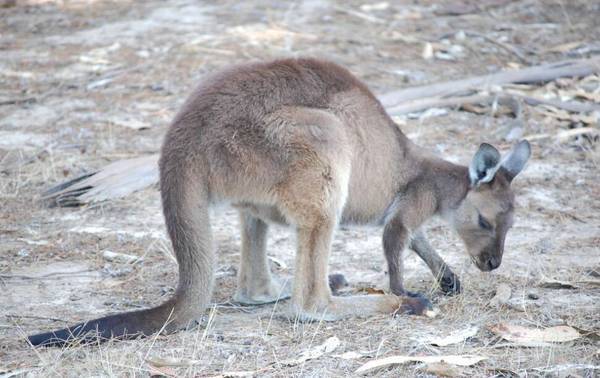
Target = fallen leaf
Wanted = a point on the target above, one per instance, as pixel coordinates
(431, 313)
(592, 96)
(370, 290)
(535, 336)
(327, 347)
(554, 284)
(460, 360)
(375, 7)
(564, 47)
(349, 355)
(161, 371)
(427, 51)
(170, 361)
(280, 263)
(243, 373)
(472, 108)
(501, 372)
(502, 296)
(129, 122)
(592, 335)
(455, 337)
(120, 257)
(442, 369)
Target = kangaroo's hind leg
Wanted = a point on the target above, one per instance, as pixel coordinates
(255, 282)
(311, 196)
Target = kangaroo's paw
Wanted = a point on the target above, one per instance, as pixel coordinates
(449, 283)
(269, 292)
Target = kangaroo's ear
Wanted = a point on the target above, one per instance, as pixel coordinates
(484, 165)
(516, 159)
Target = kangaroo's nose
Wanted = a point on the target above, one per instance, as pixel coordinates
(493, 263)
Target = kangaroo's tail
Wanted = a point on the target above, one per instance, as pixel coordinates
(185, 206)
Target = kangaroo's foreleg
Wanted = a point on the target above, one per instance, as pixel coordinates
(255, 282)
(395, 238)
(411, 212)
(447, 280)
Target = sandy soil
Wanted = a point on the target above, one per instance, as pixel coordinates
(83, 83)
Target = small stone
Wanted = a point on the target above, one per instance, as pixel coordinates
(532, 295)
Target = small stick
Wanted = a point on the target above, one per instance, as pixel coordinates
(35, 317)
(511, 49)
(16, 101)
(48, 275)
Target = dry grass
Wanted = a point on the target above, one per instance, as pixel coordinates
(86, 65)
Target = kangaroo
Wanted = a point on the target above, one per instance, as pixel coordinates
(303, 142)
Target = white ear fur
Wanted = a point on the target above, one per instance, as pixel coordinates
(484, 165)
(516, 159)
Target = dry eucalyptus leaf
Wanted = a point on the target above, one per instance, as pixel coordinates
(427, 51)
(161, 371)
(459, 360)
(564, 47)
(327, 347)
(554, 284)
(280, 263)
(170, 361)
(535, 336)
(370, 290)
(455, 337)
(349, 355)
(592, 335)
(130, 122)
(441, 369)
(120, 257)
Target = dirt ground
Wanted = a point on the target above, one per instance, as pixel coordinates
(84, 83)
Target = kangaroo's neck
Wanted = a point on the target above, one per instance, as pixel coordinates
(448, 182)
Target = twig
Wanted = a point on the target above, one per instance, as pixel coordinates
(511, 49)
(48, 275)
(35, 317)
(16, 101)
(571, 106)
(361, 15)
(19, 372)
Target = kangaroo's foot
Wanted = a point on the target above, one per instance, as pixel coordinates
(267, 292)
(449, 283)
(362, 305)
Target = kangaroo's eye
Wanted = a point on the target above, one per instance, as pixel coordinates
(484, 223)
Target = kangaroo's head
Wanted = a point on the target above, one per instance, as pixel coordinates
(486, 213)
